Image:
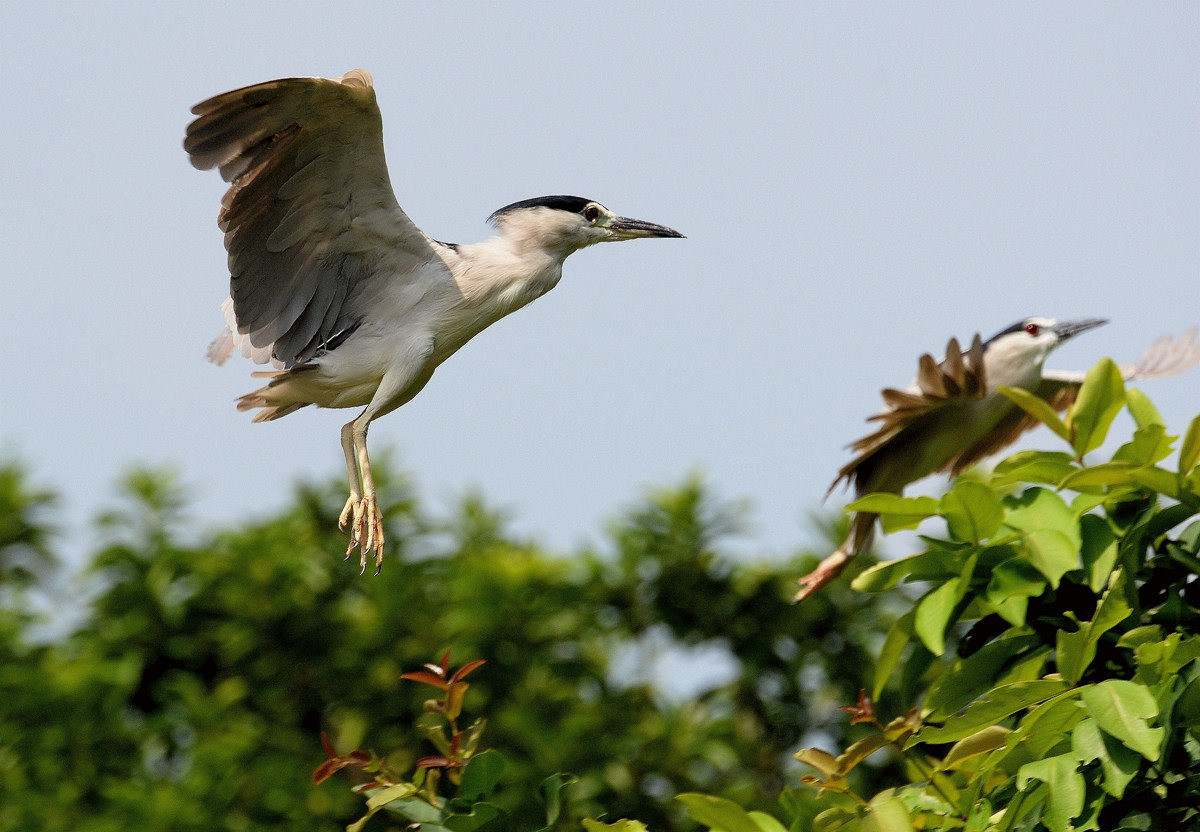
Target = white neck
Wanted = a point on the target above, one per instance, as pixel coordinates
(508, 270)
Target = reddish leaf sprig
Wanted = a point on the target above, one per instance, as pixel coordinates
(337, 762)
(439, 676)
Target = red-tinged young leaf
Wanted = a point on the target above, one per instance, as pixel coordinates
(455, 742)
(462, 672)
(337, 762)
(445, 661)
(425, 678)
(864, 711)
(326, 770)
(331, 767)
(437, 761)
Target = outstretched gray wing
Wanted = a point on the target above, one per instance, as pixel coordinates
(310, 219)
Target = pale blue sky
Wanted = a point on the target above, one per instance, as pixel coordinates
(858, 181)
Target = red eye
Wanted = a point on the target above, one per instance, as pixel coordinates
(1032, 329)
(591, 213)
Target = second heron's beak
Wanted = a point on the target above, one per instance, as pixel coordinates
(624, 228)
(1069, 329)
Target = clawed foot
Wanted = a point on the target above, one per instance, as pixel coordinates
(366, 528)
(825, 572)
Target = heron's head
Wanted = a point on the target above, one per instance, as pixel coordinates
(1025, 344)
(568, 223)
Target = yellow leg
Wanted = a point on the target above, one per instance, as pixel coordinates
(352, 508)
(368, 519)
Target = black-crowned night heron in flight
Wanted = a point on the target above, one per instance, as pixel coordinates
(952, 415)
(332, 283)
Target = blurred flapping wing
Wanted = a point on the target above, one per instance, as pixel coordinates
(958, 377)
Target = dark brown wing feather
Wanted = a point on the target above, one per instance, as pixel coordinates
(960, 375)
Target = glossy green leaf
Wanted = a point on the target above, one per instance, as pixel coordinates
(1075, 651)
(972, 510)
(1187, 706)
(1045, 729)
(933, 614)
(552, 789)
(1051, 531)
(859, 751)
(717, 813)
(1014, 579)
(415, 810)
(967, 679)
(480, 815)
(887, 815)
(820, 759)
(1027, 799)
(1162, 660)
(1067, 788)
(981, 742)
(1157, 479)
(378, 798)
(1189, 451)
(887, 574)
(1040, 508)
(1100, 399)
(1121, 708)
(481, 775)
(1037, 407)
(1142, 410)
(999, 704)
(1105, 474)
(896, 512)
(1118, 763)
(1149, 445)
(1098, 550)
(1052, 552)
(898, 637)
(1034, 467)
(620, 826)
(766, 823)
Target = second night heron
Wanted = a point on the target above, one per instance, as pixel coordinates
(952, 415)
(334, 285)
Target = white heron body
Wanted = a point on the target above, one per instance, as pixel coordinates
(416, 325)
(330, 280)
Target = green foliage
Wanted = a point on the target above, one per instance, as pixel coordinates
(25, 533)
(1059, 638)
(1038, 670)
(194, 692)
(1052, 661)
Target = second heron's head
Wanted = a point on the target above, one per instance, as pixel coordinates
(1025, 345)
(569, 223)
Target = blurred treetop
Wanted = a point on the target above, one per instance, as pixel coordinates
(194, 693)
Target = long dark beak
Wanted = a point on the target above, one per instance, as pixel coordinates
(1069, 329)
(627, 229)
